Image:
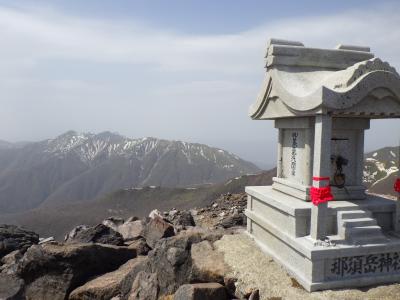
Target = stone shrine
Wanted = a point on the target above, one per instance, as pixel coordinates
(316, 219)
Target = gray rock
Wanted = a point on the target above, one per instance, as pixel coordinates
(201, 291)
(140, 246)
(233, 220)
(145, 287)
(11, 287)
(185, 218)
(171, 260)
(72, 234)
(132, 230)
(157, 229)
(15, 238)
(52, 270)
(113, 222)
(98, 234)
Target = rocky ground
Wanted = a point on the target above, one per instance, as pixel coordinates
(198, 254)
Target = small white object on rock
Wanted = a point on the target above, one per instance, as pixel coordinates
(46, 240)
(154, 213)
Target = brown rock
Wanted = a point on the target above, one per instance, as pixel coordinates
(201, 291)
(111, 284)
(132, 230)
(208, 264)
(140, 246)
(145, 287)
(156, 229)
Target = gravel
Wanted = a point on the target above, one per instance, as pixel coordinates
(256, 270)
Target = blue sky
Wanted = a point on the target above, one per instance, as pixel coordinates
(184, 70)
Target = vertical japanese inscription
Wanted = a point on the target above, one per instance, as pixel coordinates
(293, 159)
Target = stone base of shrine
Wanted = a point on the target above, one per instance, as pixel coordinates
(280, 224)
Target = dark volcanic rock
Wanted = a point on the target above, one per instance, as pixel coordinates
(11, 287)
(15, 238)
(233, 220)
(156, 229)
(185, 218)
(201, 291)
(172, 262)
(98, 234)
(51, 271)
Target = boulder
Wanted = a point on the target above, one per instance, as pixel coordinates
(201, 291)
(140, 246)
(15, 238)
(112, 284)
(72, 234)
(132, 230)
(9, 262)
(156, 229)
(171, 260)
(184, 219)
(233, 220)
(52, 270)
(11, 258)
(98, 234)
(11, 287)
(207, 264)
(145, 287)
(113, 222)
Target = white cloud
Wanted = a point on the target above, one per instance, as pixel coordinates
(143, 80)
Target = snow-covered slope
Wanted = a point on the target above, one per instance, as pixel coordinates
(82, 166)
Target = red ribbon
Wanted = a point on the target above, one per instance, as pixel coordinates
(321, 194)
(397, 185)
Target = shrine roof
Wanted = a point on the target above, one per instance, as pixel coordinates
(346, 81)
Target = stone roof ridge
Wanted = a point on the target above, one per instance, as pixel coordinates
(351, 75)
(289, 53)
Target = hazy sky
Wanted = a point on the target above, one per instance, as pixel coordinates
(184, 70)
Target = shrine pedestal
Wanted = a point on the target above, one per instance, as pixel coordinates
(280, 224)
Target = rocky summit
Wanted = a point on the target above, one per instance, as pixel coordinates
(201, 253)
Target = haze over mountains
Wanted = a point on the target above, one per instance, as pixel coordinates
(53, 185)
(76, 167)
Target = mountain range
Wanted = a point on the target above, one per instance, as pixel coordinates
(75, 167)
(53, 185)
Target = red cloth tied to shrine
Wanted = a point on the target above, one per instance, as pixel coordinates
(321, 194)
(397, 185)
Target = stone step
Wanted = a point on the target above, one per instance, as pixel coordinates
(357, 222)
(370, 239)
(353, 214)
(362, 231)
